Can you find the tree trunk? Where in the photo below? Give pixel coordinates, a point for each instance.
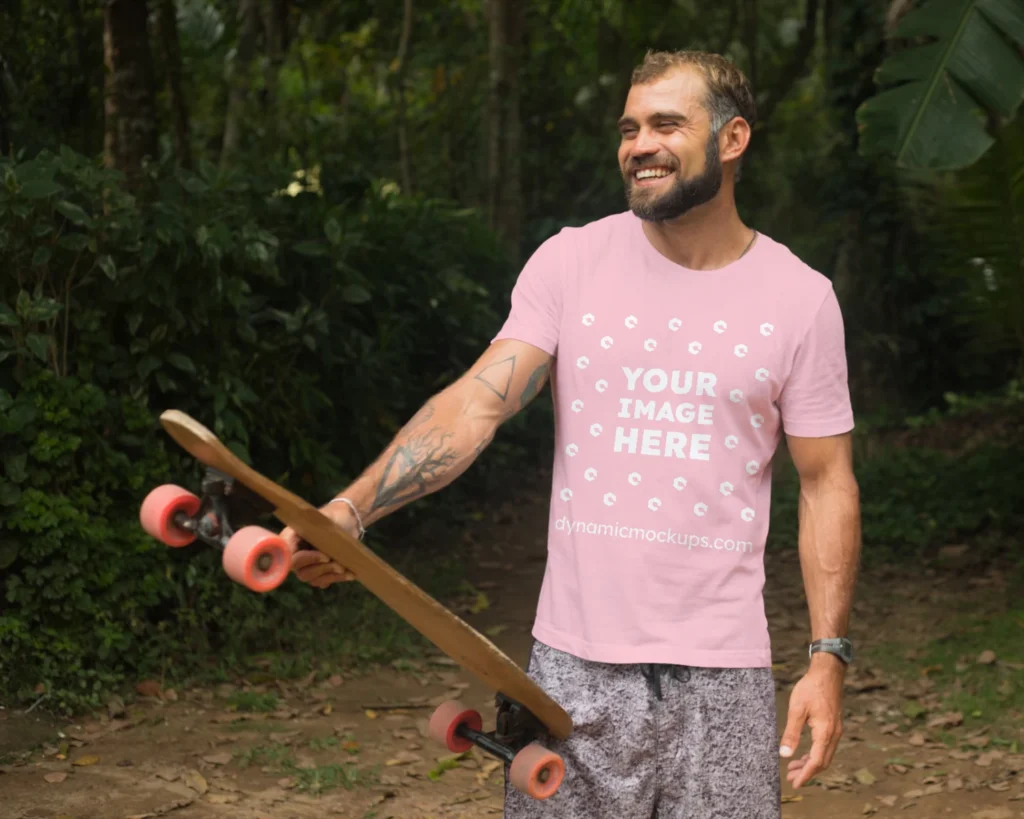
(248, 13)
(750, 27)
(172, 65)
(84, 114)
(129, 96)
(275, 37)
(5, 111)
(401, 62)
(796, 66)
(504, 180)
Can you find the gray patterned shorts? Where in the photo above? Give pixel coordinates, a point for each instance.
(658, 742)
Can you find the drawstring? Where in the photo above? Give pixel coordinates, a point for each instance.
(653, 671)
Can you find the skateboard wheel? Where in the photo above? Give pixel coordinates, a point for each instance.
(257, 558)
(159, 510)
(536, 771)
(445, 721)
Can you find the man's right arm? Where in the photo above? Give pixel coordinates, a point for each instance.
(437, 445)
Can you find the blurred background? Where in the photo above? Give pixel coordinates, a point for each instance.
(296, 219)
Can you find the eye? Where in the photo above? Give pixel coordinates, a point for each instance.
(667, 125)
(627, 132)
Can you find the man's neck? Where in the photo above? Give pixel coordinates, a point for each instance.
(709, 237)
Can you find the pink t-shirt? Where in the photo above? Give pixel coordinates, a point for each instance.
(672, 389)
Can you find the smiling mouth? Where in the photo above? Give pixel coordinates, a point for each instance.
(651, 175)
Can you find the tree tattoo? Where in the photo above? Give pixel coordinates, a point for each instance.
(413, 466)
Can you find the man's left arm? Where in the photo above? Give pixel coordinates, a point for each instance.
(830, 539)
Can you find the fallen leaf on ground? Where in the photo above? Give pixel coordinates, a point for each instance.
(888, 801)
(84, 761)
(335, 680)
(955, 783)
(163, 810)
(149, 688)
(917, 739)
(986, 657)
(370, 713)
(793, 798)
(993, 813)
(404, 758)
(222, 798)
(888, 728)
(197, 782)
(487, 770)
(869, 809)
(916, 793)
(218, 759)
(950, 720)
(56, 777)
(865, 777)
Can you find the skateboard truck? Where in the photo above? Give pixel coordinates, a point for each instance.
(251, 555)
(531, 768)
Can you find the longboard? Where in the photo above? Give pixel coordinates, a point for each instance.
(260, 560)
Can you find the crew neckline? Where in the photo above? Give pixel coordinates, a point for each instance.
(656, 258)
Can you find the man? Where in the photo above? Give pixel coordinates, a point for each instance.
(680, 345)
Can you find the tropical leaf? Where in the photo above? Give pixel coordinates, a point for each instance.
(937, 93)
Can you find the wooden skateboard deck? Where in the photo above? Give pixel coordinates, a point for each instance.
(452, 635)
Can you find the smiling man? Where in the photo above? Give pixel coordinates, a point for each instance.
(681, 346)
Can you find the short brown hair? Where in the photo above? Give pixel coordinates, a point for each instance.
(729, 92)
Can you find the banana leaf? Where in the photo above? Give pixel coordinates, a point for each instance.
(964, 63)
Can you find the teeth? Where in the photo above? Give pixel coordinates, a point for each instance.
(653, 173)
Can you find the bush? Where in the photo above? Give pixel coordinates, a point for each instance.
(915, 499)
(304, 330)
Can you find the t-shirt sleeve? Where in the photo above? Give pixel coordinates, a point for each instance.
(536, 312)
(815, 400)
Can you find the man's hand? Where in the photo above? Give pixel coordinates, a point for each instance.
(314, 567)
(816, 701)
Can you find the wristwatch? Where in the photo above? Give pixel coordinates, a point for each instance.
(839, 646)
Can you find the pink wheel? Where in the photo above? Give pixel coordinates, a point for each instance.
(257, 559)
(446, 720)
(159, 510)
(537, 772)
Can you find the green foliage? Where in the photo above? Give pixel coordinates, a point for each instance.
(315, 779)
(114, 309)
(251, 701)
(928, 116)
(981, 212)
(985, 694)
(914, 500)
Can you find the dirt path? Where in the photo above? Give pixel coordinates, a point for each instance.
(334, 748)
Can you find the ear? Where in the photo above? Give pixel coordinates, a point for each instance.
(733, 139)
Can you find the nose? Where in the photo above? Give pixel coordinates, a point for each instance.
(644, 144)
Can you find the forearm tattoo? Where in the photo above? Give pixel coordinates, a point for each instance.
(416, 462)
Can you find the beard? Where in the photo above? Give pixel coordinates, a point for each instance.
(683, 196)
